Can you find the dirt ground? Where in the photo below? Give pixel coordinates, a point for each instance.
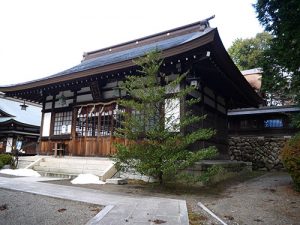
(254, 198)
(20, 208)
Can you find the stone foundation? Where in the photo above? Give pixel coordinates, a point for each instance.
(197, 169)
(263, 152)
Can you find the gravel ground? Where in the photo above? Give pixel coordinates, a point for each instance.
(20, 208)
(265, 200)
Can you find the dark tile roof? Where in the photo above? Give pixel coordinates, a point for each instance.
(133, 52)
(128, 54)
(263, 110)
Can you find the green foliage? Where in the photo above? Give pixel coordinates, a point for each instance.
(291, 159)
(256, 52)
(6, 159)
(1, 164)
(206, 177)
(212, 171)
(276, 81)
(282, 20)
(296, 120)
(248, 53)
(156, 147)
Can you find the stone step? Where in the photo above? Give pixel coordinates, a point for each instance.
(59, 175)
(104, 168)
(22, 165)
(82, 166)
(79, 159)
(25, 161)
(69, 170)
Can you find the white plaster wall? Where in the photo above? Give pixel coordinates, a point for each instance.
(46, 124)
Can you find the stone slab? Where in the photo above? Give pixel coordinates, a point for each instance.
(126, 208)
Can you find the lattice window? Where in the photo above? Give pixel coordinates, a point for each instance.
(106, 123)
(81, 124)
(92, 124)
(62, 123)
(98, 121)
(118, 117)
(248, 124)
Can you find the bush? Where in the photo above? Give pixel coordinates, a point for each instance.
(290, 156)
(5, 159)
(1, 164)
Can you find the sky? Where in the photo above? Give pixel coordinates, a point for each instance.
(41, 38)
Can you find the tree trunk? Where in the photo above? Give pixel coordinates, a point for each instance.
(160, 177)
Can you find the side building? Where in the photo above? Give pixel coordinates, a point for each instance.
(79, 105)
(19, 126)
(257, 135)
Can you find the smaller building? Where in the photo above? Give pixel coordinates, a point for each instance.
(257, 135)
(263, 121)
(19, 128)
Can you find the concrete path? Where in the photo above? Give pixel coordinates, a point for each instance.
(119, 210)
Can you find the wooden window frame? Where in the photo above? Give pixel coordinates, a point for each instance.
(60, 119)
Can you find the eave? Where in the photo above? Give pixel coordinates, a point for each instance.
(16, 122)
(205, 39)
(19, 133)
(209, 38)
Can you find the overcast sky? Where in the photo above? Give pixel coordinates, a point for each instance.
(41, 38)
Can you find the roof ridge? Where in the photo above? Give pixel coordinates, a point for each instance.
(203, 24)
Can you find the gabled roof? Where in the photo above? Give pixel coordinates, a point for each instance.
(171, 43)
(119, 54)
(32, 115)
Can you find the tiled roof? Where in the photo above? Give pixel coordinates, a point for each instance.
(133, 52)
(128, 54)
(263, 110)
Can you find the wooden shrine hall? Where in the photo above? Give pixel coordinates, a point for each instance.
(79, 105)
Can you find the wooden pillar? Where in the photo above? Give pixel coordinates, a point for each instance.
(51, 146)
(39, 144)
(111, 129)
(72, 148)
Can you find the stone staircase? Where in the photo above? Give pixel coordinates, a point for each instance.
(70, 167)
(25, 161)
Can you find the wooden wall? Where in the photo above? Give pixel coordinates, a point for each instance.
(83, 146)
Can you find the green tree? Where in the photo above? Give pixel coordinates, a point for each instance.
(282, 20)
(248, 53)
(254, 52)
(153, 126)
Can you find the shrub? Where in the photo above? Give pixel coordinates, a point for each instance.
(1, 164)
(5, 159)
(290, 156)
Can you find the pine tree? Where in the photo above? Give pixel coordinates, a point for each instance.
(154, 123)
